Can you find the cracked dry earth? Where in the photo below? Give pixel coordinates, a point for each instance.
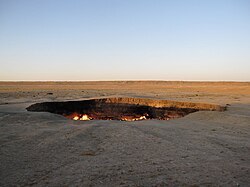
(206, 148)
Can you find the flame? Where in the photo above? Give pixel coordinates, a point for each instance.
(134, 119)
(85, 117)
(76, 118)
(81, 117)
(142, 117)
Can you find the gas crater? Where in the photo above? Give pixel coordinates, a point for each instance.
(122, 108)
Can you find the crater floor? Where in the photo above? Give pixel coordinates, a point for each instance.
(205, 148)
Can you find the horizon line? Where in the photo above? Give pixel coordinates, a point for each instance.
(122, 80)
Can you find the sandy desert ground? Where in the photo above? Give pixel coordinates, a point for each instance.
(206, 148)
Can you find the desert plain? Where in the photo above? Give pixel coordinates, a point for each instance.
(204, 148)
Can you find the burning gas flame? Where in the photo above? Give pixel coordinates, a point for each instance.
(134, 119)
(81, 117)
(127, 118)
(142, 117)
(85, 117)
(76, 118)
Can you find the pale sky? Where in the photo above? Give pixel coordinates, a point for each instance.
(125, 40)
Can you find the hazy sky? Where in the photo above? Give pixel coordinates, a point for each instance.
(125, 39)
